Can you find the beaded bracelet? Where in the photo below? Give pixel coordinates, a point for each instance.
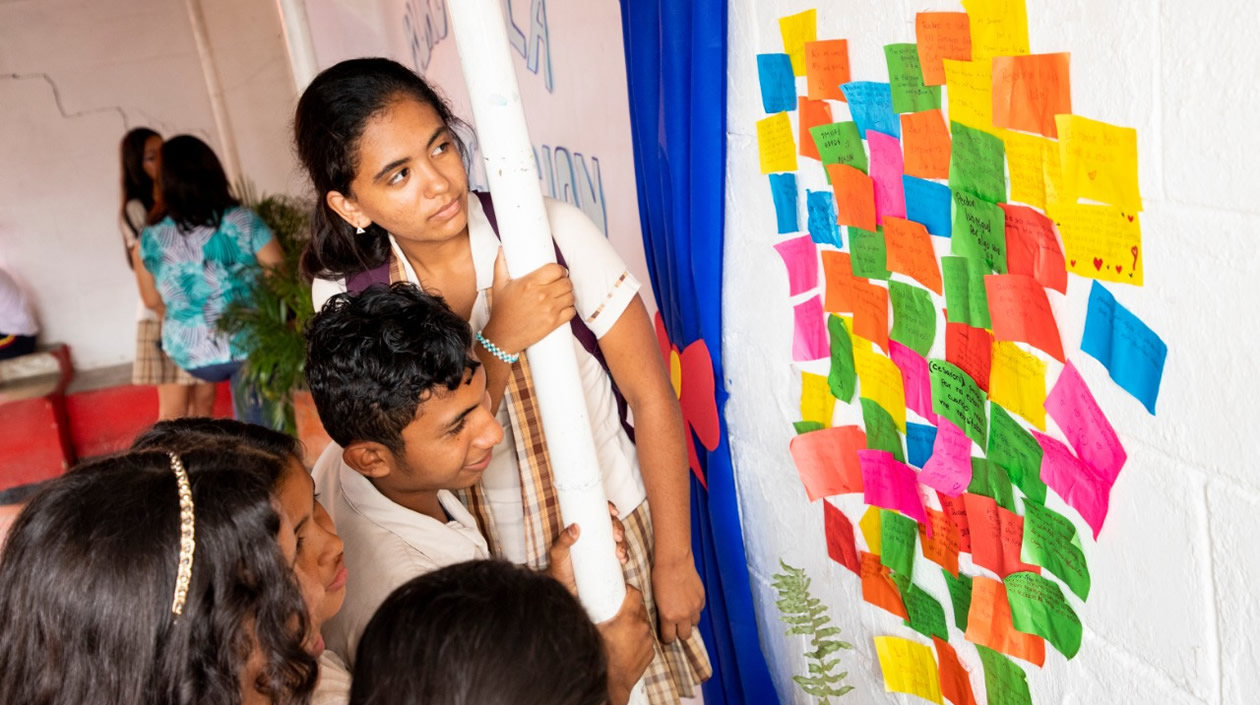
(497, 351)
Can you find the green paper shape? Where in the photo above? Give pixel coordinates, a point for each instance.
(1004, 681)
(902, 581)
(898, 535)
(840, 143)
(1051, 541)
(927, 617)
(914, 317)
(957, 397)
(1016, 451)
(881, 430)
(868, 254)
(990, 480)
(960, 595)
(1038, 607)
(905, 76)
(842, 379)
(979, 231)
(807, 426)
(966, 301)
(977, 163)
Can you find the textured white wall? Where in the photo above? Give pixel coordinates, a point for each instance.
(1172, 614)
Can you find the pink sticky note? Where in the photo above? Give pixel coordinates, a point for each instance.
(800, 256)
(810, 341)
(1083, 423)
(949, 468)
(890, 484)
(886, 172)
(914, 379)
(1074, 481)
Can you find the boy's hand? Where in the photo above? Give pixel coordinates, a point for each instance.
(560, 561)
(679, 596)
(628, 644)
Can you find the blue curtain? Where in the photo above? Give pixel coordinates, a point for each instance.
(676, 73)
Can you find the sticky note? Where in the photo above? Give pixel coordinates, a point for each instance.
(821, 207)
(979, 232)
(908, 668)
(827, 460)
(948, 471)
(1133, 354)
(1082, 488)
(1032, 248)
(941, 35)
(956, 397)
(955, 682)
(997, 535)
(919, 440)
(977, 163)
(897, 537)
(1004, 682)
(989, 480)
(960, 595)
(868, 254)
(878, 588)
(796, 30)
(1029, 91)
(927, 144)
(1026, 160)
(881, 429)
(871, 530)
(905, 75)
(989, 623)
(855, 196)
(914, 380)
(969, 89)
(891, 484)
(1038, 607)
(956, 510)
(838, 273)
(870, 313)
(810, 114)
(1017, 381)
(942, 545)
(927, 617)
(1014, 449)
(972, 350)
(775, 144)
(1021, 312)
(965, 298)
(817, 403)
(841, 546)
(909, 251)
(826, 67)
(842, 377)
(870, 104)
(1074, 410)
(840, 143)
(778, 86)
(914, 317)
(880, 381)
(800, 256)
(886, 169)
(806, 426)
(1099, 162)
(928, 203)
(1050, 541)
(809, 340)
(783, 190)
(1101, 242)
(998, 27)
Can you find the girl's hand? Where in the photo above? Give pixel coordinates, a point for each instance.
(679, 596)
(525, 310)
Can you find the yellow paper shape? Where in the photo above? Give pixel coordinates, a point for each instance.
(1053, 170)
(776, 144)
(998, 28)
(1026, 155)
(908, 667)
(879, 380)
(796, 30)
(1017, 381)
(969, 93)
(870, 526)
(1099, 162)
(817, 404)
(1100, 242)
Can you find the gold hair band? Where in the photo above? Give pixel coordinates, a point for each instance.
(187, 544)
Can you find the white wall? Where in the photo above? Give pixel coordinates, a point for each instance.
(1172, 616)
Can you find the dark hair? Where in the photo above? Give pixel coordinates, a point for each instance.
(194, 188)
(180, 435)
(136, 184)
(373, 358)
(89, 576)
(331, 116)
(480, 633)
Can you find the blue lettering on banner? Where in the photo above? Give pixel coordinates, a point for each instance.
(537, 48)
(426, 24)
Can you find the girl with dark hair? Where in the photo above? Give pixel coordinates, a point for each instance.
(179, 393)
(393, 205)
(196, 260)
(154, 578)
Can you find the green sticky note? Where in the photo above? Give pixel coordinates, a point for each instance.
(807, 426)
(927, 617)
(897, 537)
(1051, 541)
(840, 143)
(905, 75)
(1016, 451)
(991, 480)
(914, 317)
(1004, 681)
(842, 379)
(881, 430)
(902, 581)
(966, 301)
(979, 231)
(1038, 607)
(977, 163)
(868, 254)
(957, 397)
(960, 595)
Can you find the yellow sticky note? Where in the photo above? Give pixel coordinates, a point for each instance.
(817, 404)
(796, 30)
(776, 144)
(1026, 156)
(1017, 381)
(908, 667)
(969, 93)
(879, 380)
(869, 524)
(1100, 242)
(1099, 162)
(998, 28)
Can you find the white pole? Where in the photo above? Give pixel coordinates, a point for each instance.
(214, 87)
(297, 39)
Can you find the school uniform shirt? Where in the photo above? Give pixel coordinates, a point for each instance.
(333, 686)
(131, 225)
(16, 317)
(602, 288)
(386, 544)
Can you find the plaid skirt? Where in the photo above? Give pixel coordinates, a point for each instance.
(152, 366)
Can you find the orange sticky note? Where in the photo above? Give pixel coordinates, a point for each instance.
(942, 546)
(941, 35)
(827, 460)
(989, 623)
(1021, 312)
(1032, 247)
(910, 252)
(1028, 91)
(811, 113)
(971, 349)
(956, 509)
(926, 143)
(838, 275)
(855, 196)
(996, 536)
(826, 67)
(870, 313)
(955, 684)
(879, 589)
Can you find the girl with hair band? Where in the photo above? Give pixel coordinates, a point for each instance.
(179, 393)
(392, 204)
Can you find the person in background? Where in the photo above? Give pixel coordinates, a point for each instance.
(179, 393)
(197, 259)
(17, 321)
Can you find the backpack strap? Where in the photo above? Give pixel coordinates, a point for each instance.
(357, 282)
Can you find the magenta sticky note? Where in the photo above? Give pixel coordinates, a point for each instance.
(800, 256)
(949, 468)
(891, 484)
(810, 339)
(1074, 481)
(886, 171)
(914, 379)
(1084, 425)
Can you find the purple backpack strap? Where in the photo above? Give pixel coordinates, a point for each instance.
(357, 282)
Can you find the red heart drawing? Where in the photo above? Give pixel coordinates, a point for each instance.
(1073, 263)
(1118, 269)
(1130, 219)
(1093, 175)
(1097, 263)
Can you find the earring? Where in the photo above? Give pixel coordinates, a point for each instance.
(359, 230)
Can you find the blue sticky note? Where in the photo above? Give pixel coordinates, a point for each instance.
(822, 218)
(778, 85)
(920, 438)
(928, 203)
(783, 188)
(870, 104)
(1132, 353)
